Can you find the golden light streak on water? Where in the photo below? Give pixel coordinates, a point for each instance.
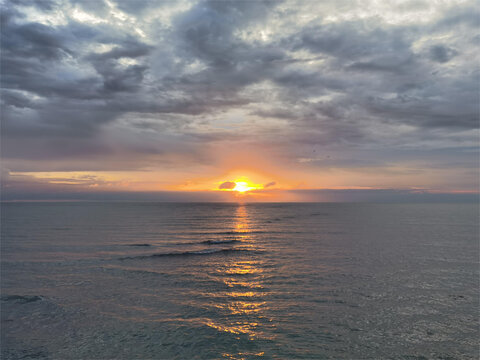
(243, 312)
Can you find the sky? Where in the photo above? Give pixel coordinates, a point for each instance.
(183, 100)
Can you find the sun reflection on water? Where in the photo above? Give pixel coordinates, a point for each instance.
(242, 355)
(242, 268)
(242, 221)
(243, 308)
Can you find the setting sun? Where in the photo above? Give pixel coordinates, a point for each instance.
(241, 185)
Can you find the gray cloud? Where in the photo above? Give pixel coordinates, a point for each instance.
(46, 5)
(442, 54)
(227, 185)
(161, 79)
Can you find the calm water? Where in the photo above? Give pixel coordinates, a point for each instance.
(239, 281)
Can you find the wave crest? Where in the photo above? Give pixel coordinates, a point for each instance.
(191, 253)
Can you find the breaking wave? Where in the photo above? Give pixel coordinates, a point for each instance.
(215, 242)
(21, 298)
(191, 253)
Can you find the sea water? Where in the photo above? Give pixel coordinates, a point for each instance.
(239, 281)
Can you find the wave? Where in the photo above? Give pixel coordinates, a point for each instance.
(231, 232)
(190, 253)
(21, 298)
(138, 245)
(214, 242)
(209, 242)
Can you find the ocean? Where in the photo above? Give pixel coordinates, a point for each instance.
(88, 280)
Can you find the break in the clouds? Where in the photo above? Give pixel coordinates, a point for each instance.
(385, 91)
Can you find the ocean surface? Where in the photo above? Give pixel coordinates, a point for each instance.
(239, 281)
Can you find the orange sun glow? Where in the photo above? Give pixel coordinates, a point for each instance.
(241, 185)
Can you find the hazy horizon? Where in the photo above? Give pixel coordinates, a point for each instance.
(293, 196)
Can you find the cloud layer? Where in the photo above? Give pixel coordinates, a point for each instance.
(142, 85)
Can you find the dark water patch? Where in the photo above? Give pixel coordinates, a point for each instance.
(23, 299)
(329, 301)
(25, 353)
(144, 245)
(192, 253)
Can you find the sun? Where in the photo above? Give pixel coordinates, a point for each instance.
(240, 185)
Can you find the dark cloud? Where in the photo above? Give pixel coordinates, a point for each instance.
(270, 184)
(442, 54)
(227, 185)
(456, 16)
(136, 6)
(355, 40)
(32, 40)
(45, 5)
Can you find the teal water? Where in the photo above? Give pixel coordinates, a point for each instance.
(239, 281)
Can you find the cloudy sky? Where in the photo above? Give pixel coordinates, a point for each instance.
(303, 98)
